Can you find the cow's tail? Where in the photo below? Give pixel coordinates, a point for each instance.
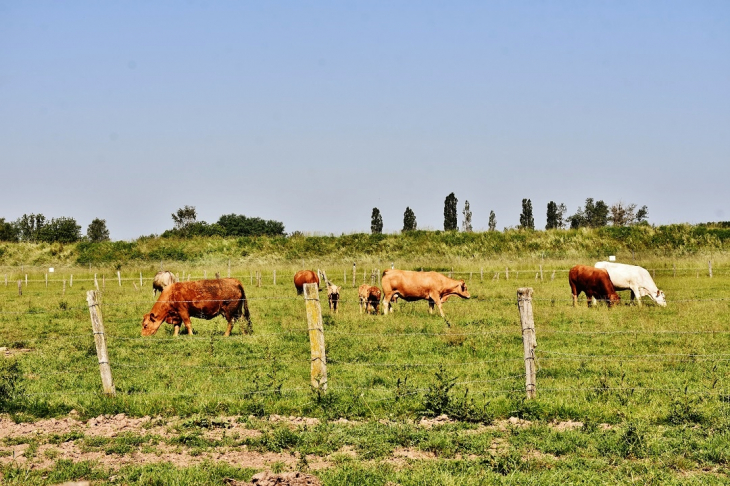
(246, 315)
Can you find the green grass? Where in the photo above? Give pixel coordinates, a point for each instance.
(657, 377)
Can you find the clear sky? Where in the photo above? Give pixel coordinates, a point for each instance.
(313, 113)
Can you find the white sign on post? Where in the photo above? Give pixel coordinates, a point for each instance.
(50, 270)
(612, 258)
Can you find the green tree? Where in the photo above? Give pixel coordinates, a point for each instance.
(450, 221)
(492, 221)
(555, 215)
(376, 222)
(62, 230)
(642, 214)
(97, 231)
(527, 221)
(595, 215)
(466, 223)
(29, 226)
(184, 217)
(409, 220)
(240, 225)
(8, 231)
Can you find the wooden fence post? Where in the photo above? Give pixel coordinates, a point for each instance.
(119, 277)
(140, 280)
(709, 265)
(64, 287)
(529, 342)
(316, 337)
(552, 277)
(96, 282)
(274, 277)
(26, 279)
(541, 279)
(20, 288)
(47, 276)
(674, 270)
(354, 276)
(506, 273)
(71, 281)
(97, 325)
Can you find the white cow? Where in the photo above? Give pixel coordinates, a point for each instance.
(633, 278)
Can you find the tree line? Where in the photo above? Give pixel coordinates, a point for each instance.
(36, 228)
(594, 215)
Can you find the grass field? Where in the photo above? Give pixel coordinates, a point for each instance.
(630, 394)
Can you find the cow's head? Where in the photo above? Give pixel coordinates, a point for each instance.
(463, 292)
(613, 299)
(660, 299)
(151, 323)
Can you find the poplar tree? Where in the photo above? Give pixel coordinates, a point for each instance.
(466, 223)
(492, 221)
(376, 222)
(526, 219)
(450, 221)
(409, 220)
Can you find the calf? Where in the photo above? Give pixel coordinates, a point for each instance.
(333, 296)
(369, 298)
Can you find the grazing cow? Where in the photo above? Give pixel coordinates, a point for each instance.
(410, 286)
(595, 282)
(333, 296)
(203, 299)
(162, 279)
(633, 278)
(369, 298)
(304, 277)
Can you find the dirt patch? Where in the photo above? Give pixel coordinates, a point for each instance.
(428, 423)
(55, 440)
(285, 479)
(10, 352)
(294, 422)
(568, 425)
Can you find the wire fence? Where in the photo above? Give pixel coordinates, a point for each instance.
(123, 359)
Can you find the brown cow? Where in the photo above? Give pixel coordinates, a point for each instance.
(369, 298)
(410, 286)
(304, 277)
(203, 299)
(595, 282)
(162, 279)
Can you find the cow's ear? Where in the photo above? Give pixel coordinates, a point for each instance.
(152, 317)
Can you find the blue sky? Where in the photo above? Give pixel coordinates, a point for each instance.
(313, 113)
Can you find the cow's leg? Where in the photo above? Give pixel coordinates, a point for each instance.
(636, 292)
(185, 318)
(589, 298)
(176, 328)
(386, 302)
(231, 320)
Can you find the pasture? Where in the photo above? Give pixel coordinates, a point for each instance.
(647, 386)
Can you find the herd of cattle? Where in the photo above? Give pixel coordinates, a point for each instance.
(206, 299)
